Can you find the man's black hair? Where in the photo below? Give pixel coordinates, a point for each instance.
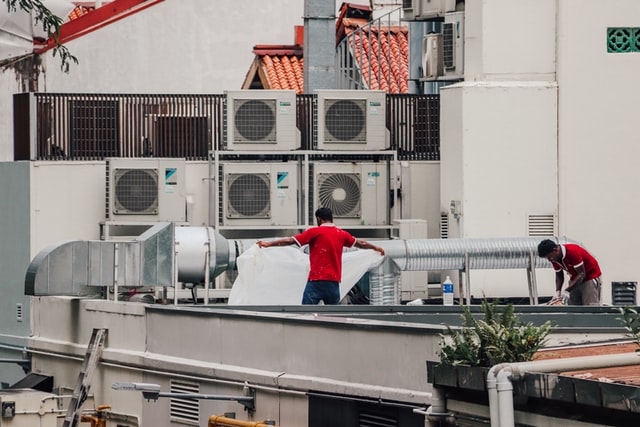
(546, 247)
(324, 214)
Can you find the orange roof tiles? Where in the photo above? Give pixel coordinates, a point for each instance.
(382, 54)
(80, 10)
(284, 72)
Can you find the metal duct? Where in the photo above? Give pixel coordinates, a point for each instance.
(450, 254)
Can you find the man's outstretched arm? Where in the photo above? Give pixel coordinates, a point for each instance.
(286, 241)
(363, 244)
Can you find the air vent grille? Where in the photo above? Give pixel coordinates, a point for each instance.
(375, 420)
(255, 120)
(185, 410)
(449, 45)
(136, 191)
(340, 192)
(345, 120)
(541, 225)
(248, 195)
(444, 226)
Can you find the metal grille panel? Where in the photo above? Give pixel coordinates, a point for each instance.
(340, 192)
(449, 45)
(255, 120)
(185, 410)
(136, 191)
(248, 195)
(345, 120)
(541, 225)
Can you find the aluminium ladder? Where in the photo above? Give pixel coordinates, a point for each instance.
(91, 358)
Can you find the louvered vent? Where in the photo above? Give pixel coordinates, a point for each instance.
(19, 312)
(186, 411)
(136, 191)
(248, 195)
(376, 420)
(345, 120)
(541, 225)
(444, 226)
(340, 192)
(255, 120)
(449, 45)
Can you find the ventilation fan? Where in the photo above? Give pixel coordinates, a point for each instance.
(255, 120)
(248, 196)
(345, 120)
(340, 192)
(136, 191)
(261, 120)
(351, 120)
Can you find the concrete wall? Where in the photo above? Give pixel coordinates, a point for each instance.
(598, 135)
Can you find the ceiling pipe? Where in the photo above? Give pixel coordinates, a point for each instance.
(500, 379)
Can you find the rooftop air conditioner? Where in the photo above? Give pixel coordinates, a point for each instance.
(427, 9)
(432, 56)
(351, 120)
(453, 45)
(356, 193)
(145, 189)
(260, 194)
(261, 120)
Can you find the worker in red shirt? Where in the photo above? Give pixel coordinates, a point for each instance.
(326, 242)
(584, 272)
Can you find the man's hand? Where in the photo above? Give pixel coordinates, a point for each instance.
(379, 249)
(262, 244)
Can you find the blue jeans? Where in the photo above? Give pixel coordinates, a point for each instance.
(324, 290)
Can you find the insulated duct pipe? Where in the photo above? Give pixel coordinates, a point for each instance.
(500, 377)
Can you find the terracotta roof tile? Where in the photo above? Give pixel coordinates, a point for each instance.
(80, 10)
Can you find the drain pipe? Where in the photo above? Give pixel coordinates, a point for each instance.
(500, 377)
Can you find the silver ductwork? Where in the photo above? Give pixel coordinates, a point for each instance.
(165, 255)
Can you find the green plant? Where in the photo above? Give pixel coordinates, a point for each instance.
(497, 338)
(50, 24)
(631, 322)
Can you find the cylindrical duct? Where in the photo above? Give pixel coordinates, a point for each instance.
(384, 286)
(192, 246)
(449, 254)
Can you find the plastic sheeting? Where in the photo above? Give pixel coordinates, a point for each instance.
(278, 275)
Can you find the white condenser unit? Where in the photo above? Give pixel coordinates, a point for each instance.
(356, 193)
(432, 56)
(453, 45)
(259, 120)
(259, 194)
(351, 120)
(427, 9)
(145, 189)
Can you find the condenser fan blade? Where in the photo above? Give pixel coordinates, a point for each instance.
(341, 193)
(249, 196)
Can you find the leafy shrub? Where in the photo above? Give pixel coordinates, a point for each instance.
(631, 322)
(497, 338)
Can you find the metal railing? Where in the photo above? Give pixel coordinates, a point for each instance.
(57, 126)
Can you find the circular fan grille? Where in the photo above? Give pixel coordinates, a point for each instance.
(248, 196)
(345, 121)
(136, 191)
(255, 120)
(340, 192)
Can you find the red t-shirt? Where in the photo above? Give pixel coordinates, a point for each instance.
(574, 256)
(325, 250)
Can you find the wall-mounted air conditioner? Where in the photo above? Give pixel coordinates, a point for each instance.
(145, 189)
(427, 9)
(432, 66)
(351, 120)
(260, 194)
(356, 193)
(453, 45)
(261, 120)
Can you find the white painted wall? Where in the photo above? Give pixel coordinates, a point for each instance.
(598, 135)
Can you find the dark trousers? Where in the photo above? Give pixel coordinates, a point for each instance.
(321, 290)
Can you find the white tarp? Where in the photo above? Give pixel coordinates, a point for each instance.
(277, 276)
